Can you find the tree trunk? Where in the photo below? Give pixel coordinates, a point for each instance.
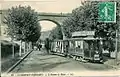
(27, 44)
(13, 55)
(30, 46)
(13, 51)
(24, 47)
(20, 50)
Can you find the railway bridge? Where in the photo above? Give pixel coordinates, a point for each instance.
(56, 18)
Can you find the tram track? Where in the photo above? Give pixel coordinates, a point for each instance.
(18, 62)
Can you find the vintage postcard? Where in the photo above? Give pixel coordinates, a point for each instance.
(60, 38)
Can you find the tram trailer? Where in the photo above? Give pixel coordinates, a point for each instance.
(81, 48)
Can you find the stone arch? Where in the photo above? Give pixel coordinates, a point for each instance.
(55, 22)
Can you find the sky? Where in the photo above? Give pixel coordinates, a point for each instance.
(47, 25)
(52, 6)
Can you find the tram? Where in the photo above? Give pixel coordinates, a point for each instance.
(82, 48)
(89, 49)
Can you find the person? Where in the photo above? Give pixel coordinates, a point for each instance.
(66, 48)
(39, 46)
(47, 47)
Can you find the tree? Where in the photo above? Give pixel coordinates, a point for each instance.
(85, 18)
(68, 27)
(82, 18)
(56, 33)
(22, 22)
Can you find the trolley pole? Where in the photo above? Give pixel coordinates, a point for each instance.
(116, 46)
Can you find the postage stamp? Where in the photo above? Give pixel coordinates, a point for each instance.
(107, 11)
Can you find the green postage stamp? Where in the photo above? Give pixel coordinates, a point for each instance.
(107, 12)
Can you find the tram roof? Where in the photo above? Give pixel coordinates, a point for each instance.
(70, 39)
(83, 33)
(85, 38)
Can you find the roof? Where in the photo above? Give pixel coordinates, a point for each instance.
(80, 39)
(87, 38)
(83, 33)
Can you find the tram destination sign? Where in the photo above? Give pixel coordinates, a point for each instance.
(107, 12)
(83, 33)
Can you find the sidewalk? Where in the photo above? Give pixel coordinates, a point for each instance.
(8, 62)
(112, 62)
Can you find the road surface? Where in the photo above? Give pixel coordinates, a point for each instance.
(39, 61)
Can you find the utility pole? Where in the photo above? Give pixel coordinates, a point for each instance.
(116, 46)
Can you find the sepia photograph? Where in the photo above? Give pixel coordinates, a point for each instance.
(60, 38)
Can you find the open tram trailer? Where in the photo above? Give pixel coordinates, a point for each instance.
(83, 48)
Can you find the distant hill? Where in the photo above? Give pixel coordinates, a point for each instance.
(45, 34)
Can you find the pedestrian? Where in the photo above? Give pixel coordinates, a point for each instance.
(47, 47)
(39, 47)
(66, 48)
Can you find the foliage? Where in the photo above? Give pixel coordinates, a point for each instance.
(85, 17)
(23, 23)
(56, 33)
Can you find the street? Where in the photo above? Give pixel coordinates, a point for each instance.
(39, 61)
